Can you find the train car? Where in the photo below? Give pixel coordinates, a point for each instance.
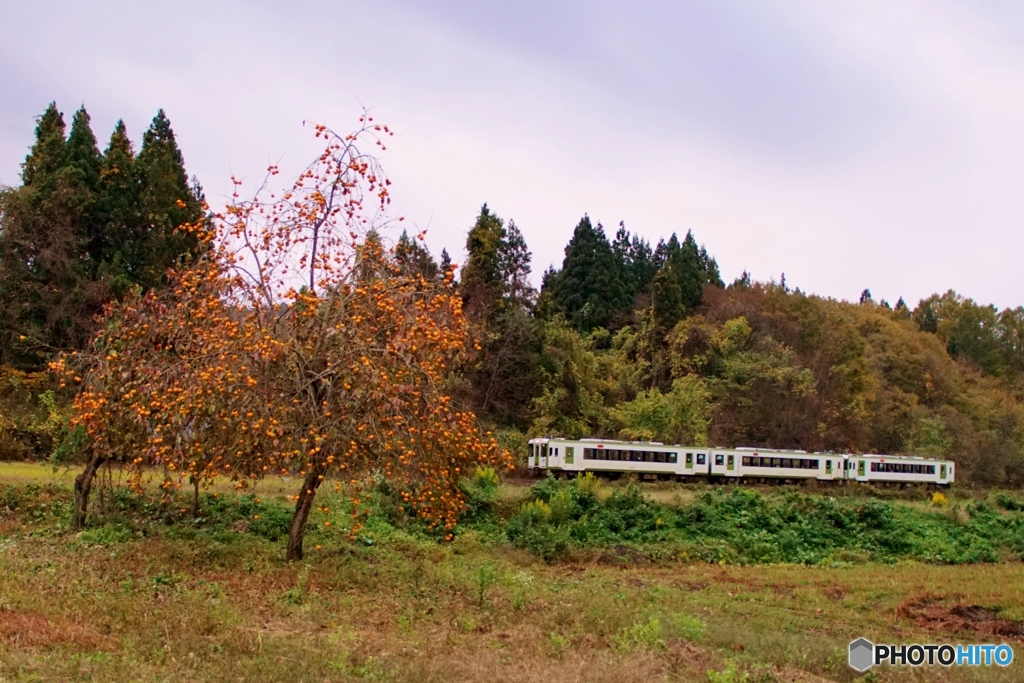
(610, 455)
(652, 459)
(875, 468)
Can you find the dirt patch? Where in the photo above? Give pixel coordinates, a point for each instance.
(834, 593)
(783, 589)
(25, 629)
(934, 613)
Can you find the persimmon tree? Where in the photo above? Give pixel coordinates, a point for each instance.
(297, 343)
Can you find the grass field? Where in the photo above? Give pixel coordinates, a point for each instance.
(137, 599)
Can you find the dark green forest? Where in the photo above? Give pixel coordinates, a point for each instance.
(625, 339)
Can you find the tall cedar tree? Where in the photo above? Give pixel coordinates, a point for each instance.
(166, 201)
(44, 302)
(416, 259)
(592, 287)
(498, 297)
(115, 243)
(678, 287)
(83, 226)
(481, 283)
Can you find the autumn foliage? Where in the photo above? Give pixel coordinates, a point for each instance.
(296, 344)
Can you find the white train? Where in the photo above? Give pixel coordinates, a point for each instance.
(742, 464)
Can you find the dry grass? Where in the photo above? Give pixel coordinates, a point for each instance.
(226, 607)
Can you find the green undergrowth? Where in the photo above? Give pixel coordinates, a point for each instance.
(562, 519)
(741, 526)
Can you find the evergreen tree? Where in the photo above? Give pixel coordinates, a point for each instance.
(44, 298)
(591, 289)
(166, 201)
(641, 261)
(514, 268)
(48, 152)
(636, 263)
(85, 225)
(121, 241)
(446, 263)
(481, 282)
(80, 177)
(497, 293)
(692, 271)
(415, 257)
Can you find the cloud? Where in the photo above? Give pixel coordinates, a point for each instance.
(868, 145)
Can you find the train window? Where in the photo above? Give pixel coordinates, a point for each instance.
(786, 462)
(746, 461)
(673, 458)
(719, 459)
(931, 469)
(700, 459)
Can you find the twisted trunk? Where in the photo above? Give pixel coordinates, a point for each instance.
(303, 506)
(195, 497)
(83, 485)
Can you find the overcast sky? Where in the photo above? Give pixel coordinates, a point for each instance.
(850, 145)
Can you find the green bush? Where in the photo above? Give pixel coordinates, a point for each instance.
(742, 526)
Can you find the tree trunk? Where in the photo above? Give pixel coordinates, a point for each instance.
(83, 484)
(195, 497)
(302, 509)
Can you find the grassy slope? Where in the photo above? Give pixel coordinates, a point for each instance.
(172, 603)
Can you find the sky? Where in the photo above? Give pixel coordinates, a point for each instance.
(849, 145)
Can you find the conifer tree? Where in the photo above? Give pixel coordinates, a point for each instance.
(166, 200)
(445, 264)
(43, 268)
(514, 266)
(678, 288)
(80, 178)
(481, 282)
(85, 225)
(415, 257)
(48, 152)
(591, 289)
(120, 241)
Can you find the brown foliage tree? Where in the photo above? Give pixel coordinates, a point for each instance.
(234, 371)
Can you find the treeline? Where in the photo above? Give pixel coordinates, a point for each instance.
(637, 341)
(84, 227)
(625, 339)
